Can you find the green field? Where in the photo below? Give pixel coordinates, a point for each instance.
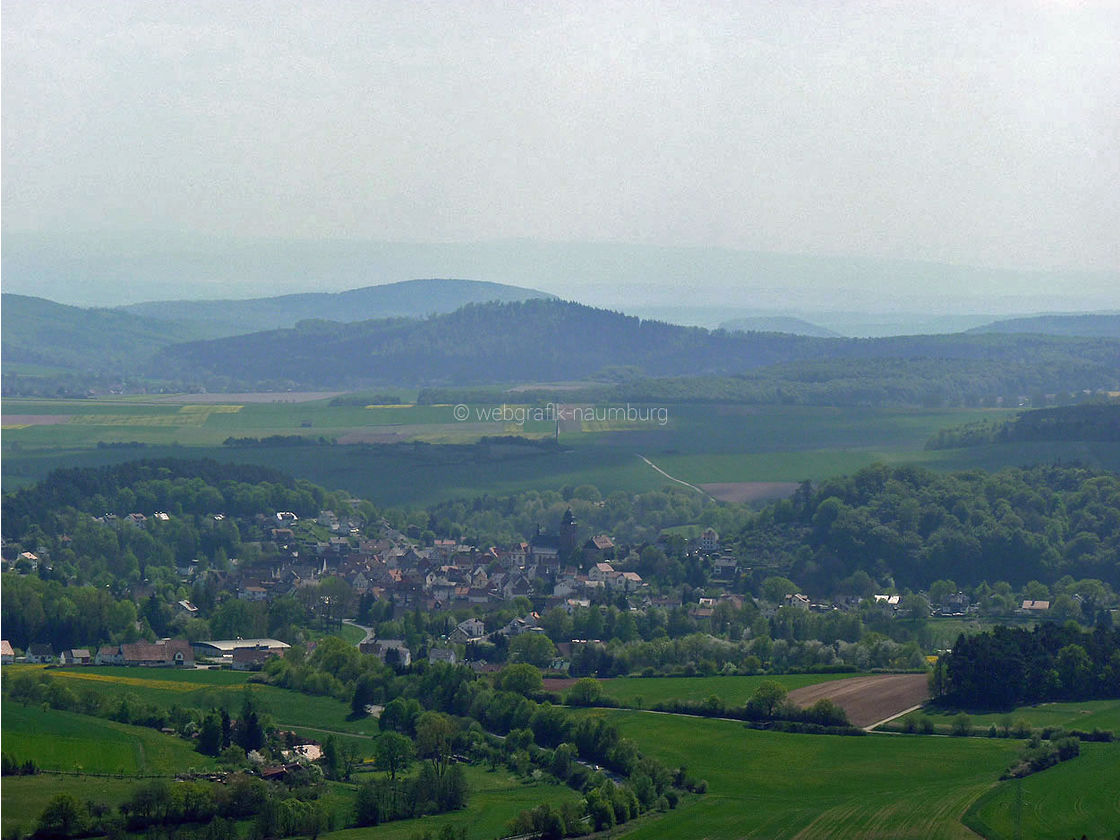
(304, 713)
(495, 799)
(734, 690)
(699, 444)
(25, 797)
(1077, 797)
(1084, 715)
(59, 740)
(774, 785)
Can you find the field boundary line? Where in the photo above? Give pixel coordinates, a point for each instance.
(892, 717)
(678, 480)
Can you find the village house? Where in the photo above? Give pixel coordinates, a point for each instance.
(598, 549)
(390, 651)
(252, 658)
(75, 656)
(7, 655)
(724, 568)
(40, 654)
(165, 653)
(224, 649)
(709, 540)
(467, 631)
(797, 599)
(442, 655)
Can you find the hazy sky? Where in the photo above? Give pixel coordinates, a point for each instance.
(981, 132)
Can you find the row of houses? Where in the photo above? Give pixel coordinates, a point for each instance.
(241, 654)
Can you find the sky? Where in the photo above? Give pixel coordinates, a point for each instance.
(974, 133)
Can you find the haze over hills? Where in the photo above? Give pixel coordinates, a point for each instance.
(407, 299)
(866, 296)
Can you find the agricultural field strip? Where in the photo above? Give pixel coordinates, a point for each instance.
(1084, 715)
(820, 793)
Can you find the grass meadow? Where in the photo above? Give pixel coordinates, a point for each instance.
(58, 740)
(496, 797)
(1078, 797)
(303, 713)
(644, 692)
(1085, 715)
(25, 797)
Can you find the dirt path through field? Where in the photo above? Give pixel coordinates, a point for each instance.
(868, 700)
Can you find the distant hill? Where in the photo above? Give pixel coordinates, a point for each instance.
(550, 340)
(40, 332)
(1097, 325)
(778, 324)
(407, 299)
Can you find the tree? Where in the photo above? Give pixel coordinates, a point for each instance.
(250, 730)
(210, 735)
(434, 734)
(367, 805)
(394, 753)
(775, 589)
(585, 692)
(522, 678)
(400, 716)
(767, 699)
(63, 817)
(534, 648)
(365, 690)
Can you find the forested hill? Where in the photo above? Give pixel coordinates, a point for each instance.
(549, 340)
(41, 332)
(407, 299)
(914, 527)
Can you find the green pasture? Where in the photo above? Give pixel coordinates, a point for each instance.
(496, 797)
(219, 689)
(1084, 715)
(25, 797)
(60, 740)
(699, 444)
(776, 785)
(1080, 797)
(735, 690)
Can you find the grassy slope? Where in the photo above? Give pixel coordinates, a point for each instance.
(207, 689)
(1078, 797)
(773, 785)
(66, 741)
(25, 797)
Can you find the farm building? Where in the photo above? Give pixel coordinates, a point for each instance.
(224, 648)
(7, 655)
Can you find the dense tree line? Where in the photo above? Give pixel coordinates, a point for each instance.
(912, 527)
(1008, 667)
(1090, 422)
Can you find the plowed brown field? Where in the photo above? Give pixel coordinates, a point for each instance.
(868, 700)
